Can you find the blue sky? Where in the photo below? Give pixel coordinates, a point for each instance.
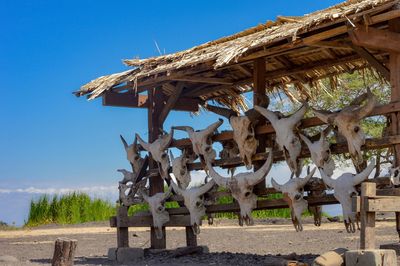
(50, 138)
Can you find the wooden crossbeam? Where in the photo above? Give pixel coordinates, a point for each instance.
(205, 80)
(373, 38)
(141, 101)
(171, 102)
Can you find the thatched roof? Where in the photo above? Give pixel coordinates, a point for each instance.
(298, 51)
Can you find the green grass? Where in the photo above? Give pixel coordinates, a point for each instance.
(68, 209)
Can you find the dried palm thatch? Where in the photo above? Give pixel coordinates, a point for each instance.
(298, 51)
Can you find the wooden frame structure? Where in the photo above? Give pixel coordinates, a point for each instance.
(293, 50)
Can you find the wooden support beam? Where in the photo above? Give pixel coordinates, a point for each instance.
(170, 103)
(146, 220)
(195, 79)
(377, 39)
(371, 59)
(367, 234)
(122, 231)
(129, 99)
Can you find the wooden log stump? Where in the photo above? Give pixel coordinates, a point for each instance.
(64, 252)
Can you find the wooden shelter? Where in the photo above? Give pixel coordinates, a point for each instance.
(298, 51)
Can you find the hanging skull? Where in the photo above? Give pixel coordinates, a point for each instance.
(201, 140)
(133, 154)
(394, 173)
(344, 189)
(180, 169)
(241, 187)
(157, 209)
(348, 122)
(194, 202)
(293, 192)
(157, 149)
(320, 152)
(128, 187)
(286, 137)
(229, 150)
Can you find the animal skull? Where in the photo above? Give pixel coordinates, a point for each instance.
(320, 152)
(180, 170)
(128, 188)
(133, 154)
(157, 209)
(286, 138)
(348, 122)
(157, 151)
(241, 187)
(293, 191)
(344, 189)
(194, 202)
(229, 150)
(395, 175)
(243, 132)
(201, 140)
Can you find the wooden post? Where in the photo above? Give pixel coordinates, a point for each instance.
(64, 252)
(122, 232)
(191, 238)
(259, 89)
(394, 66)
(156, 182)
(367, 235)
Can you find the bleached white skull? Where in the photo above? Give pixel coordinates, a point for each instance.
(243, 132)
(241, 187)
(348, 122)
(293, 192)
(288, 141)
(229, 150)
(344, 189)
(157, 209)
(194, 202)
(157, 149)
(133, 154)
(201, 140)
(395, 175)
(128, 188)
(180, 169)
(320, 152)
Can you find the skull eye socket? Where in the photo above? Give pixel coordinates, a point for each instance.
(207, 149)
(164, 155)
(209, 141)
(198, 203)
(160, 208)
(249, 137)
(247, 194)
(297, 197)
(396, 173)
(135, 157)
(356, 129)
(353, 194)
(182, 172)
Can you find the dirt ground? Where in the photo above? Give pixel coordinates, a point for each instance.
(229, 244)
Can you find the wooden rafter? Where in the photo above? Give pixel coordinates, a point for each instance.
(171, 102)
(197, 79)
(372, 38)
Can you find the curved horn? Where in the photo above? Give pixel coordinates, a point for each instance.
(303, 181)
(258, 175)
(327, 179)
(325, 116)
(298, 115)
(184, 128)
(364, 174)
(276, 185)
(211, 128)
(368, 106)
(220, 180)
(306, 140)
(225, 112)
(271, 116)
(176, 188)
(142, 143)
(123, 141)
(205, 188)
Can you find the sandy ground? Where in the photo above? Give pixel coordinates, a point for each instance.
(229, 244)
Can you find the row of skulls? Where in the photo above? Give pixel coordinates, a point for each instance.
(288, 139)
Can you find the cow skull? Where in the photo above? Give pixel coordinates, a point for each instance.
(241, 187)
(288, 141)
(229, 150)
(344, 189)
(293, 192)
(395, 175)
(180, 170)
(320, 152)
(194, 202)
(157, 151)
(128, 188)
(201, 140)
(243, 132)
(133, 154)
(157, 209)
(348, 122)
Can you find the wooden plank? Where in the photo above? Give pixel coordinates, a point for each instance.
(373, 38)
(383, 70)
(205, 80)
(147, 220)
(131, 100)
(367, 234)
(171, 102)
(384, 204)
(122, 231)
